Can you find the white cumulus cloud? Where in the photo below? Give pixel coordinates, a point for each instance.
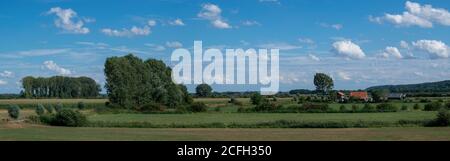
(69, 21)
(50, 65)
(416, 15)
(392, 51)
(2, 82)
(134, 31)
(212, 13)
(435, 49)
(344, 75)
(348, 49)
(7, 74)
(177, 22)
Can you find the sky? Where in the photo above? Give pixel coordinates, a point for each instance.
(358, 43)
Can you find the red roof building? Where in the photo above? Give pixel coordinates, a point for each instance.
(360, 95)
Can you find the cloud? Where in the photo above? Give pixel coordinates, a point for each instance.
(306, 40)
(270, 1)
(334, 26)
(151, 23)
(435, 49)
(416, 15)
(69, 21)
(134, 31)
(212, 13)
(42, 52)
(156, 47)
(7, 74)
(343, 75)
(50, 65)
(281, 46)
(313, 57)
(174, 44)
(251, 23)
(2, 82)
(392, 51)
(177, 22)
(348, 49)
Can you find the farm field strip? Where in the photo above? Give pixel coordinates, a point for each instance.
(192, 134)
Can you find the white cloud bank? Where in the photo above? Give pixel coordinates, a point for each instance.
(416, 15)
(69, 21)
(435, 49)
(50, 65)
(348, 49)
(213, 13)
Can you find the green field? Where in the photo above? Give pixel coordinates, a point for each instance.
(33, 132)
(198, 118)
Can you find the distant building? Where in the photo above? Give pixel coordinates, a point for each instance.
(396, 96)
(360, 95)
(341, 97)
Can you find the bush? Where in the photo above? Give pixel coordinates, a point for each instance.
(151, 107)
(342, 108)
(311, 107)
(386, 107)
(442, 118)
(369, 108)
(14, 111)
(40, 110)
(235, 101)
(355, 108)
(181, 109)
(81, 105)
(433, 106)
(416, 106)
(447, 105)
(197, 107)
(256, 99)
(266, 106)
(404, 108)
(49, 108)
(68, 117)
(59, 107)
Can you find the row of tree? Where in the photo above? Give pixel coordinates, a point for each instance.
(59, 87)
(132, 83)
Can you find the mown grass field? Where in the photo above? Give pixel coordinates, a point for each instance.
(33, 132)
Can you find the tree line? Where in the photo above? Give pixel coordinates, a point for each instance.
(133, 83)
(59, 87)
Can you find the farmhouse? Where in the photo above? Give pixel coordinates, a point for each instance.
(341, 97)
(396, 96)
(360, 95)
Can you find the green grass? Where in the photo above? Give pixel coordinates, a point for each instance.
(361, 134)
(247, 118)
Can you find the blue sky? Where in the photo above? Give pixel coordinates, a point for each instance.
(359, 43)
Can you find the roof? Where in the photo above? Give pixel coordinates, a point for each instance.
(361, 95)
(341, 93)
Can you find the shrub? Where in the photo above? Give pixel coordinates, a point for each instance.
(235, 101)
(198, 107)
(369, 108)
(433, 106)
(181, 109)
(59, 107)
(81, 105)
(49, 108)
(447, 105)
(68, 117)
(386, 107)
(442, 119)
(151, 107)
(416, 106)
(256, 99)
(311, 107)
(266, 106)
(14, 111)
(342, 108)
(425, 100)
(40, 110)
(355, 108)
(404, 108)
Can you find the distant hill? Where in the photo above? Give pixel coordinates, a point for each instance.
(431, 87)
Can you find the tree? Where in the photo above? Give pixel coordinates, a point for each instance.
(14, 111)
(256, 99)
(203, 90)
(379, 95)
(323, 82)
(132, 83)
(40, 110)
(60, 87)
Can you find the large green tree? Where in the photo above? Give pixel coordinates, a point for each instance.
(59, 87)
(132, 82)
(203, 90)
(323, 82)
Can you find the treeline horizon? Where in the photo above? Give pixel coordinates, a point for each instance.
(59, 87)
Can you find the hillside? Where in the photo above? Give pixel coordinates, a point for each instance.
(434, 87)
